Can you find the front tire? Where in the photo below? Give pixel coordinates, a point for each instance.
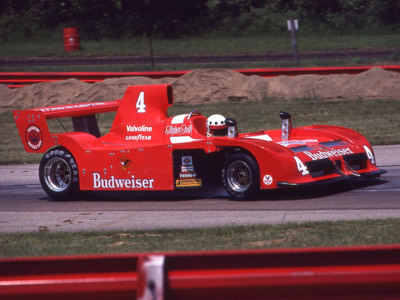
(58, 173)
(241, 176)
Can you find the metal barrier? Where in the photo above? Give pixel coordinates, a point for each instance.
(18, 79)
(320, 273)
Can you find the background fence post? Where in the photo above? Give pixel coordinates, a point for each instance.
(293, 26)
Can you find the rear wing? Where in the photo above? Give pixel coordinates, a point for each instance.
(34, 131)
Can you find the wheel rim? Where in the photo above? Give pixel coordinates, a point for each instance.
(57, 174)
(239, 176)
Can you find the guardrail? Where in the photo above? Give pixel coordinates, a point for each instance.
(18, 79)
(321, 273)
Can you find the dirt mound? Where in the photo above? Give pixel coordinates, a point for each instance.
(4, 99)
(375, 83)
(211, 85)
(46, 93)
(214, 85)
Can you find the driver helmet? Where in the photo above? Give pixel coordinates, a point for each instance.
(216, 126)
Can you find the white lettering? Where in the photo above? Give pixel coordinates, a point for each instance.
(183, 129)
(145, 183)
(139, 137)
(96, 180)
(370, 155)
(134, 128)
(104, 183)
(187, 175)
(111, 183)
(140, 103)
(138, 183)
(121, 183)
(83, 105)
(133, 182)
(329, 153)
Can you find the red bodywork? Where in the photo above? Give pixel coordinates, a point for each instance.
(147, 150)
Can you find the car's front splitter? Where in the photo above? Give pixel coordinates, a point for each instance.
(331, 180)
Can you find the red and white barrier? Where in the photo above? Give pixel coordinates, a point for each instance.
(320, 273)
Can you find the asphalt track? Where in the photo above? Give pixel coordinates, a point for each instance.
(24, 207)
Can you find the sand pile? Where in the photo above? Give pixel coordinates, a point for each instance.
(212, 85)
(375, 83)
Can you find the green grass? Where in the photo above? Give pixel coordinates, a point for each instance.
(376, 119)
(356, 61)
(317, 234)
(198, 45)
(204, 45)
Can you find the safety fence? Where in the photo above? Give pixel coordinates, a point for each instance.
(18, 79)
(318, 273)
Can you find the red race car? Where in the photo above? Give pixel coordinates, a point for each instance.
(146, 150)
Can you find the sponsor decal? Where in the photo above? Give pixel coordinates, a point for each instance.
(267, 180)
(134, 128)
(178, 129)
(121, 183)
(125, 163)
(187, 164)
(34, 137)
(187, 176)
(73, 106)
(139, 137)
(192, 182)
(329, 153)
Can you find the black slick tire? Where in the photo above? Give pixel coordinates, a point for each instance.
(58, 173)
(241, 176)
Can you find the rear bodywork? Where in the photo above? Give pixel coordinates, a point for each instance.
(146, 149)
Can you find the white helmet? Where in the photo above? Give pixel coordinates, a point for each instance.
(216, 126)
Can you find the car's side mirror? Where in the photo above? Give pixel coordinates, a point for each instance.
(232, 129)
(284, 115)
(230, 122)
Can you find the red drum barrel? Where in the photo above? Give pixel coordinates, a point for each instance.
(71, 39)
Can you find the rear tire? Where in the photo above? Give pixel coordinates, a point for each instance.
(241, 176)
(58, 173)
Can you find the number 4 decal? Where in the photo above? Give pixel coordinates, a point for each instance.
(301, 166)
(371, 156)
(141, 107)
